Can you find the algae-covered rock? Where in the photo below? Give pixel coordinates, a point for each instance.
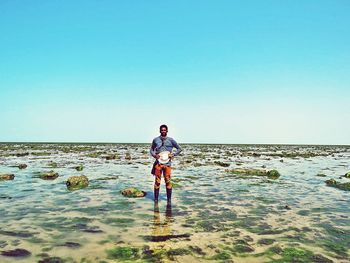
(347, 175)
(123, 253)
(79, 167)
(77, 182)
(133, 192)
(221, 164)
(51, 175)
(341, 186)
(52, 164)
(22, 166)
(4, 177)
(272, 174)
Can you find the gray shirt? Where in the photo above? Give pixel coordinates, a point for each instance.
(160, 144)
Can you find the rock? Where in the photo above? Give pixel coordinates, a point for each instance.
(51, 260)
(51, 175)
(79, 167)
(287, 207)
(77, 182)
(127, 156)
(22, 166)
(133, 192)
(221, 164)
(347, 175)
(341, 186)
(18, 252)
(321, 175)
(266, 241)
(6, 177)
(111, 157)
(52, 164)
(272, 174)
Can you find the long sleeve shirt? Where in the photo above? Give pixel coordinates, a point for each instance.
(159, 146)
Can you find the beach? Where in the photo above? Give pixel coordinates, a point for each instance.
(231, 203)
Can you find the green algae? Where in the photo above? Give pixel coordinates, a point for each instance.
(123, 253)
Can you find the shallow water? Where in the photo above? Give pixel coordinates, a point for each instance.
(214, 216)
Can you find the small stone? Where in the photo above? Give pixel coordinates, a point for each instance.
(79, 168)
(18, 252)
(51, 175)
(6, 177)
(347, 175)
(133, 192)
(77, 182)
(22, 166)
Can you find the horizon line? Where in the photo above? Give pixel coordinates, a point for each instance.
(202, 143)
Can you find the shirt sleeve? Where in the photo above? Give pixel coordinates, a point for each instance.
(152, 150)
(178, 148)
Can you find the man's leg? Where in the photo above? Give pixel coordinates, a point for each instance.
(157, 180)
(167, 177)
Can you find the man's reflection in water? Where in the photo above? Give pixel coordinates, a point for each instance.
(162, 230)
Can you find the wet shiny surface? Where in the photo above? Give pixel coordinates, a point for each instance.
(214, 216)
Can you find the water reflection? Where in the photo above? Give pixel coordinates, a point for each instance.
(162, 228)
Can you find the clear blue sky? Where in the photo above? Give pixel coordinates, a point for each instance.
(214, 71)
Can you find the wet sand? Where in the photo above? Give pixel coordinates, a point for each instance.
(215, 215)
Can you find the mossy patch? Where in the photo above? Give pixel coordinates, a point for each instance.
(123, 253)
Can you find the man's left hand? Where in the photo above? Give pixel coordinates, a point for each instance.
(171, 156)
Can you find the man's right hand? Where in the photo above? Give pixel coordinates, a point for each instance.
(157, 156)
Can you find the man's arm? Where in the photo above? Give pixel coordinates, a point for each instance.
(152, 151)
(178, 148)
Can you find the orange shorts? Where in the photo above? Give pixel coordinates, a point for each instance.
(159, 168)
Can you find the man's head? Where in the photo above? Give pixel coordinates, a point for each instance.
(163, 129)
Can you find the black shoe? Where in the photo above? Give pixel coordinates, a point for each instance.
(156, 195)
(168, 195)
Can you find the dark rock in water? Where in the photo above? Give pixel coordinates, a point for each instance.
(272, 174)
(221, 164)
(347, 175)
(22, 166)
(71, 244)
(321, 175)
(77, 182)
(111, 157)
(6, 177)
(320, 259)
(22, 154)
(165, 237)
(51, 175)
(79, 168)
(331, 182)
(16, 234)
(341, 186)
(133, 192)
(18, 252)
(51, 260)
(242, 248)
(287, 207)
(197, 250)
(266, 241)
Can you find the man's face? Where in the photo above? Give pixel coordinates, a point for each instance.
(163, 131)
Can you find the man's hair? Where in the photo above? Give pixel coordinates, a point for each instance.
(163, 126)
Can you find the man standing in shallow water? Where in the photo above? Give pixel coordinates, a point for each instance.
(161, 149)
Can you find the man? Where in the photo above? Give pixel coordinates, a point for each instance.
(160, 145)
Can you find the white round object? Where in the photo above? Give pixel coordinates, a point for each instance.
(164, 157)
